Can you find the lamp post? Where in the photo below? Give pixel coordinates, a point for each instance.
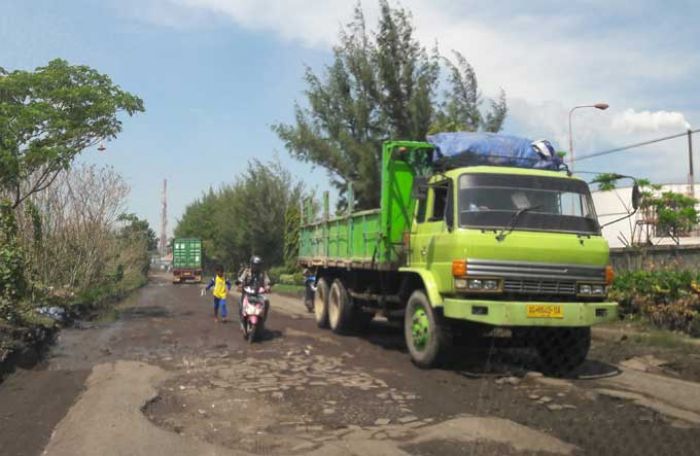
(601, 106)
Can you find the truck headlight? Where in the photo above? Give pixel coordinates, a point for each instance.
(476, 285)
(584, 289)
(598, 290)
(490, 285)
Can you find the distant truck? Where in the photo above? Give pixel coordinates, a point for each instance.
(465, 249)
(187, 260)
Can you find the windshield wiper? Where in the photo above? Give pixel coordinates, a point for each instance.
(513, 221)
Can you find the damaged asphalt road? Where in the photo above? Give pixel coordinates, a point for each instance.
(164, 379)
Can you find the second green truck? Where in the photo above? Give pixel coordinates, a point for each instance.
(466, 249)
(187, 260)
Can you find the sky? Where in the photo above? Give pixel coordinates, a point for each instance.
(216, 74)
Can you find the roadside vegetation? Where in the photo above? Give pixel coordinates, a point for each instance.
(65, 240)
(666, 297)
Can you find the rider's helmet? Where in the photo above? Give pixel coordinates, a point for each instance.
(255, 264)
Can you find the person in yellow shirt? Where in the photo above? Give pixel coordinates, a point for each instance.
(221, 288)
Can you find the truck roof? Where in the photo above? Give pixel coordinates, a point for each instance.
(508, 170)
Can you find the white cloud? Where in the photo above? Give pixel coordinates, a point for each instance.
(538, 52)
(631, 121)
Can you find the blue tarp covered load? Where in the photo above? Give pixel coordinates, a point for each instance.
(472, 149)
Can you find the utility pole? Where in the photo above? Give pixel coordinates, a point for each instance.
(691, 176)
(164, 220)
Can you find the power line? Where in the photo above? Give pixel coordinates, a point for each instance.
(632, 146)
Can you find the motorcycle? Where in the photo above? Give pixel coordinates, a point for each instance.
(254, 312)
(309, 292)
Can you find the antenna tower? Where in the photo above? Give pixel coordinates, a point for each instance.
(164, 221)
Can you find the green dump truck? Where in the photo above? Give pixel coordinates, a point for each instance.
(187, 260)
(467, 249)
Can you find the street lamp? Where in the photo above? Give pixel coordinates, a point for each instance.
(601, 106)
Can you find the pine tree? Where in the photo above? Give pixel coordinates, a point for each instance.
(380, 85)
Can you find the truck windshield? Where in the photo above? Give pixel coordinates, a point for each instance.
(558, 204)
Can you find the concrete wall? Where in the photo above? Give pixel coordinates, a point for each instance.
(659, 256)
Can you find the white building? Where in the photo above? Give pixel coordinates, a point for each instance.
(615, 204)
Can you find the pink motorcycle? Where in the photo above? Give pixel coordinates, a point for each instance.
(254, 312)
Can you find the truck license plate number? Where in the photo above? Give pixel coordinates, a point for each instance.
(544, 311)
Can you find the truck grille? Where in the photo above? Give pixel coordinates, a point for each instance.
(549, 287)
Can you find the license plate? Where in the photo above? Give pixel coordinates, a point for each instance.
(545, 311)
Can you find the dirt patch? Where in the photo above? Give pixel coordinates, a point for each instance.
(442, 447)
(681, 362)
(31, 404)
(110, 409)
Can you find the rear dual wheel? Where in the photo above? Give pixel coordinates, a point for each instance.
(321, 303)
(334, 308)
(340, 308)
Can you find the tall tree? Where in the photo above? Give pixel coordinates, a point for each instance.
(48, 116)
(380, 85)
(244, 218)
(136, 228)
(460, 109)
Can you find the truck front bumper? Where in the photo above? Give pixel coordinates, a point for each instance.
(513, 313)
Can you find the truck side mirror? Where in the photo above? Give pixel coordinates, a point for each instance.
(420, 188)
(636, 196)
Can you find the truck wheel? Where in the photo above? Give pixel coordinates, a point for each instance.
(339, 308)
(561, 350)
(321, 304)
(426, 336)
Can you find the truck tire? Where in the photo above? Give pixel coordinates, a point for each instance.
(426, 335)
(561, 350)
(340, 311)
(321, 303)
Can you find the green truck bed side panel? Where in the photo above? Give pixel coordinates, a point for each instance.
(374, 235)
(187, 253)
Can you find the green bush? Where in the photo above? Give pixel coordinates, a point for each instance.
(695, 326)
(669, 298)
(292, 279)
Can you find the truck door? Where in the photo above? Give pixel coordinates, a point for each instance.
(430, 236)
(418, 249)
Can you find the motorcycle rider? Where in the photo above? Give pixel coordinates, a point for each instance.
(257, 277)
(309, 288)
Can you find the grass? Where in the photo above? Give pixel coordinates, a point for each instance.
(641, 332)
(296, 290)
